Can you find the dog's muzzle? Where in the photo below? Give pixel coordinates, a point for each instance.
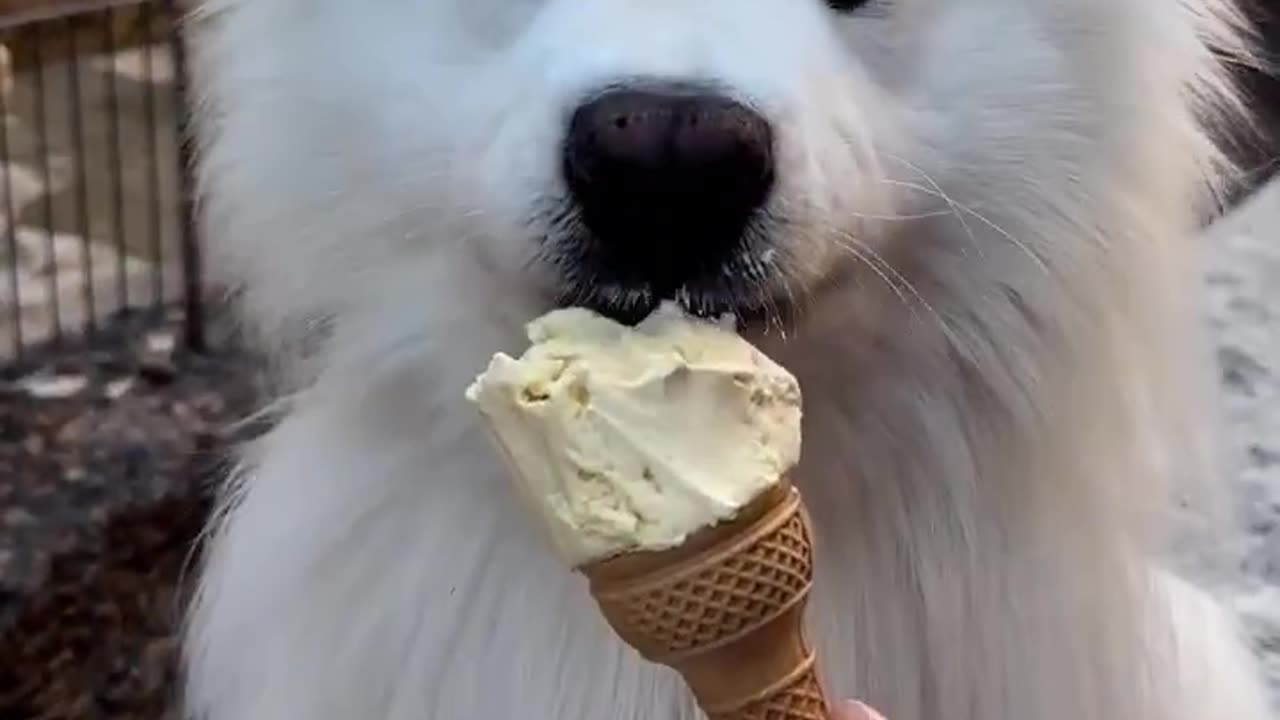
(665, 182)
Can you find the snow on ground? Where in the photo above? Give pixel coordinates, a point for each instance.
(1243, 310)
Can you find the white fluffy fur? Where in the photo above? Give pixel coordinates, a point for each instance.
(990, 208)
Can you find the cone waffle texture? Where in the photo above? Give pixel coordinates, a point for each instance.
(725, 609)
(801, 698)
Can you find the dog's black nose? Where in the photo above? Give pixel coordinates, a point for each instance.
(667, 181)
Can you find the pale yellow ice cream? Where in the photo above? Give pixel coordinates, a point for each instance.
(626, 439)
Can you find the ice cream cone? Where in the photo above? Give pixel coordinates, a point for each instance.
(656, 458)
(725, 609)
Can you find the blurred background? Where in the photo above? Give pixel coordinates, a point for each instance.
(122, 387)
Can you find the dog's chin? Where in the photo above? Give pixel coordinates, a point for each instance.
(709, 272)
(623, 305)
(750, 308)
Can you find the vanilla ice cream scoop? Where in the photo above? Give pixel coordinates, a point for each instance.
(625, 439)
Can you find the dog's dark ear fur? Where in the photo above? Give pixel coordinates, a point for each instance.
(1256, 150)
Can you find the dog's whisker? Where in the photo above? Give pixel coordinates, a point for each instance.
(954, 208)
(760, 284)
(759, 266)
(784, 279)
(890, 275)
(896, 217)
(859, 255)
(961, 209)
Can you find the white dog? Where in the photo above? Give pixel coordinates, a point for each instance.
(966, 225)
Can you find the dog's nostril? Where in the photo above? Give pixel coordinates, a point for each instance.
(666, 181)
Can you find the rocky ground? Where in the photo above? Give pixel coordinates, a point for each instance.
(107, 450)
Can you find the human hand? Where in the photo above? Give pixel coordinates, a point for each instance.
(854, 710)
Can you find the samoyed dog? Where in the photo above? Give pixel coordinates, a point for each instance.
(965, 225)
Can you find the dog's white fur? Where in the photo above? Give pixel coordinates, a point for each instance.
(989, 209)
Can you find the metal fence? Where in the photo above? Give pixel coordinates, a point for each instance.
(94, 185)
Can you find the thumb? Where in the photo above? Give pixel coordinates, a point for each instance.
(854, 710)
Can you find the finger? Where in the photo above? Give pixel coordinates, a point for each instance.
(868, 712)
(854, 710)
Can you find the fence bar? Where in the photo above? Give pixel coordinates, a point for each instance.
(82, 171)
(153, 158)
(42, 122)
(192, 265)
(114, 161)
(25, 13)
(10, 230)
(131, 214)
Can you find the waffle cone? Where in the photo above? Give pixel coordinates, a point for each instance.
(725, 610)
